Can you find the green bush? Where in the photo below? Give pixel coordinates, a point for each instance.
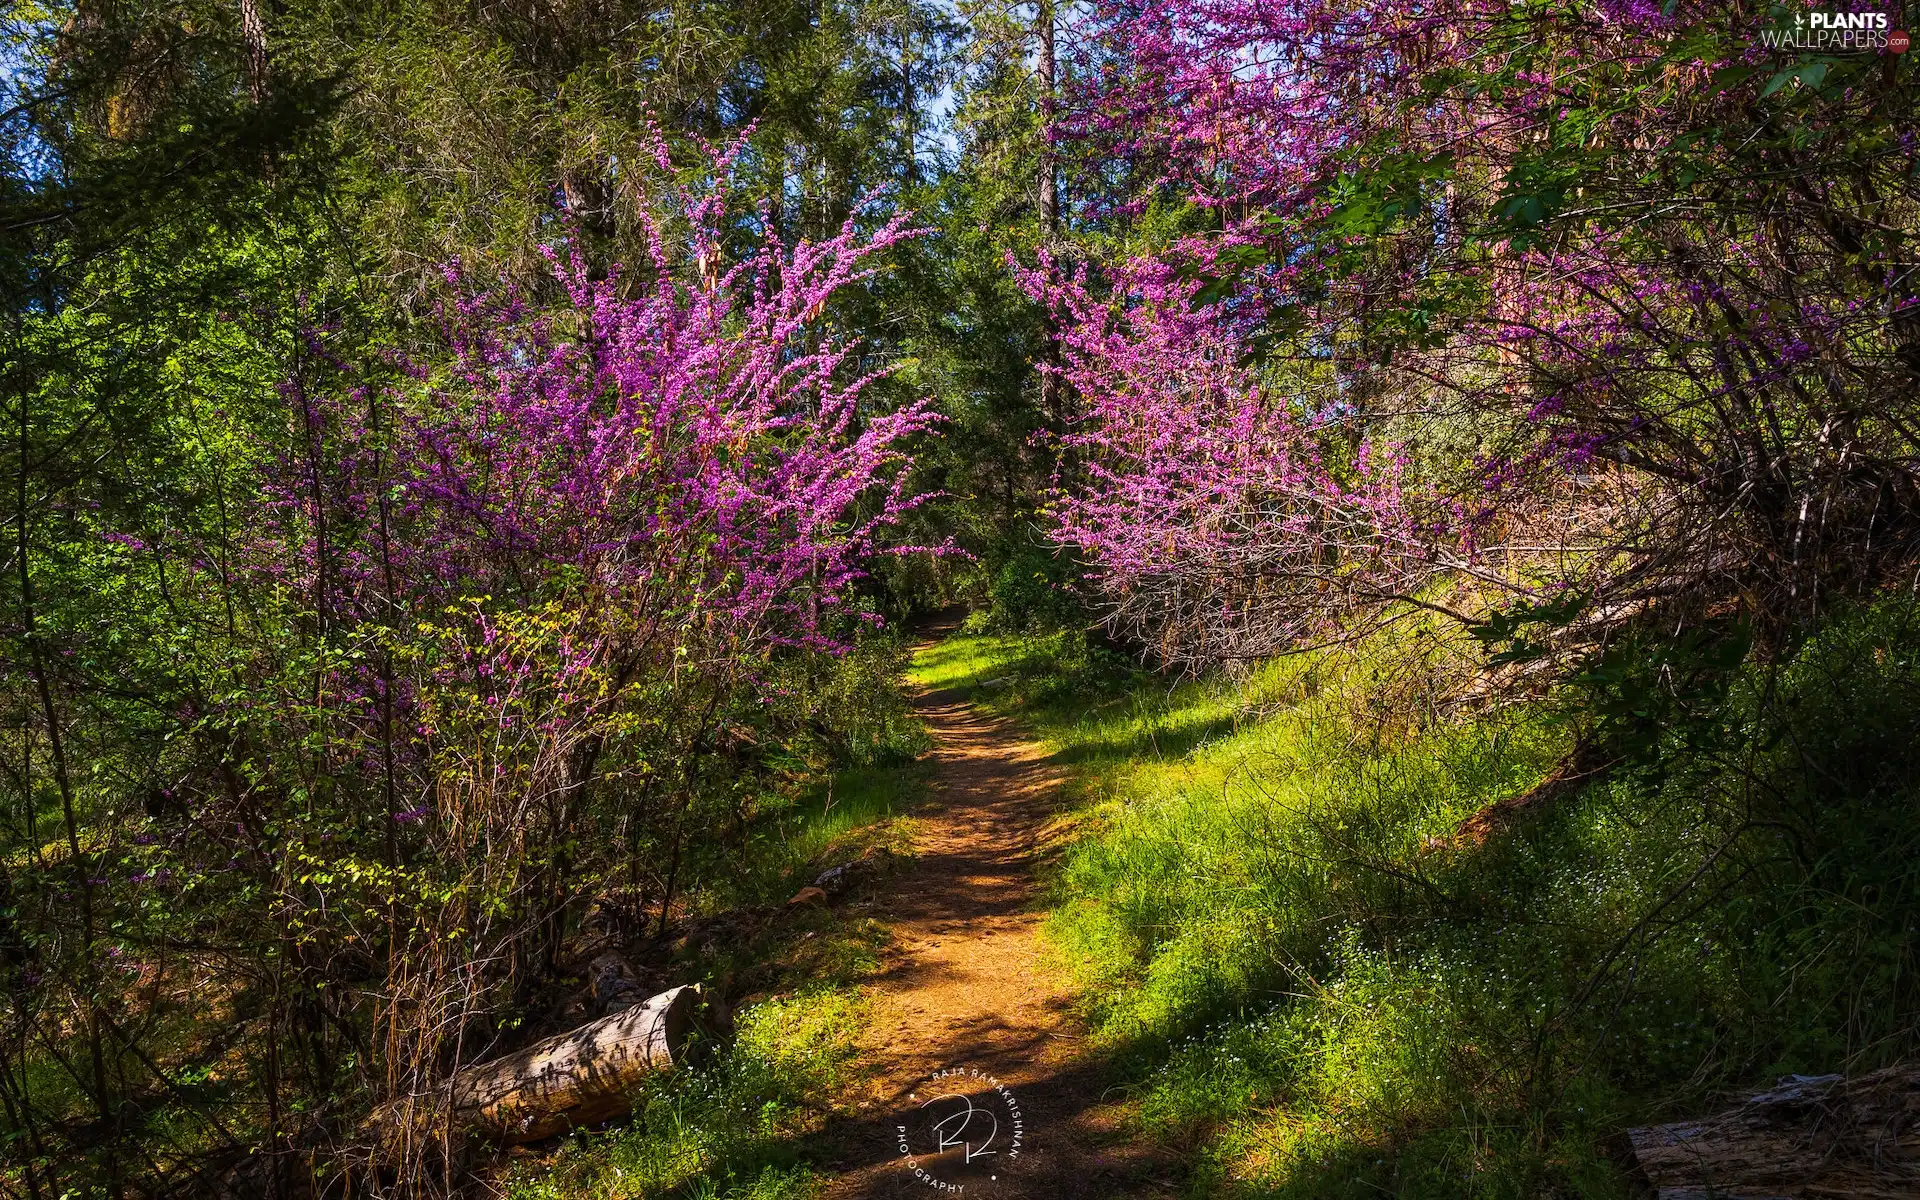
(1031, 591)
(849, 707)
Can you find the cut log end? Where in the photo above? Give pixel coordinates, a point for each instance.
(578, 1078)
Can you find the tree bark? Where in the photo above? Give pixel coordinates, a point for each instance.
(253, 31)
(1045, 64)
(1046, 67)
(1813, 1136)
(577, 1078)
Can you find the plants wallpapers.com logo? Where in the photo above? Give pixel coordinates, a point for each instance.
(1837, 33)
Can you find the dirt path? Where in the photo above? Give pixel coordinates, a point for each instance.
(966, 993)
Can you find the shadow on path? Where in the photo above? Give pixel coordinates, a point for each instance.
(965, 992)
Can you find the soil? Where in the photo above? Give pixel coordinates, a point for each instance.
(967, 991)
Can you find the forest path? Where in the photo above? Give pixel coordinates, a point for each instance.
(965, 989)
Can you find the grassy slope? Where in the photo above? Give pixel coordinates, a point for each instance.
(1318, 990)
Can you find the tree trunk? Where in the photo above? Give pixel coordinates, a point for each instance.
(577, 1078)
(1046, 65)
(253, 31)
(1813, 1136)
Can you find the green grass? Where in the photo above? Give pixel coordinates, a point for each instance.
(728, 1129)
(1313, 988)
(850, 813)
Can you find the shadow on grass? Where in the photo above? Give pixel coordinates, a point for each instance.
(1155, 740)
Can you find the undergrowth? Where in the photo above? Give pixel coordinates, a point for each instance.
(728, 1129)
(1317, 979)
(734, 1126)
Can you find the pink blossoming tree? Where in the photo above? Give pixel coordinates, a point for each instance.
(549, 580)
(1621, 286)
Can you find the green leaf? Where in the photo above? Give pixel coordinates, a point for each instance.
(1809, 74)
(1728, 78)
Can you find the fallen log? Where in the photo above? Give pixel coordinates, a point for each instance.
(1822, 1136)
(576, 1078)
